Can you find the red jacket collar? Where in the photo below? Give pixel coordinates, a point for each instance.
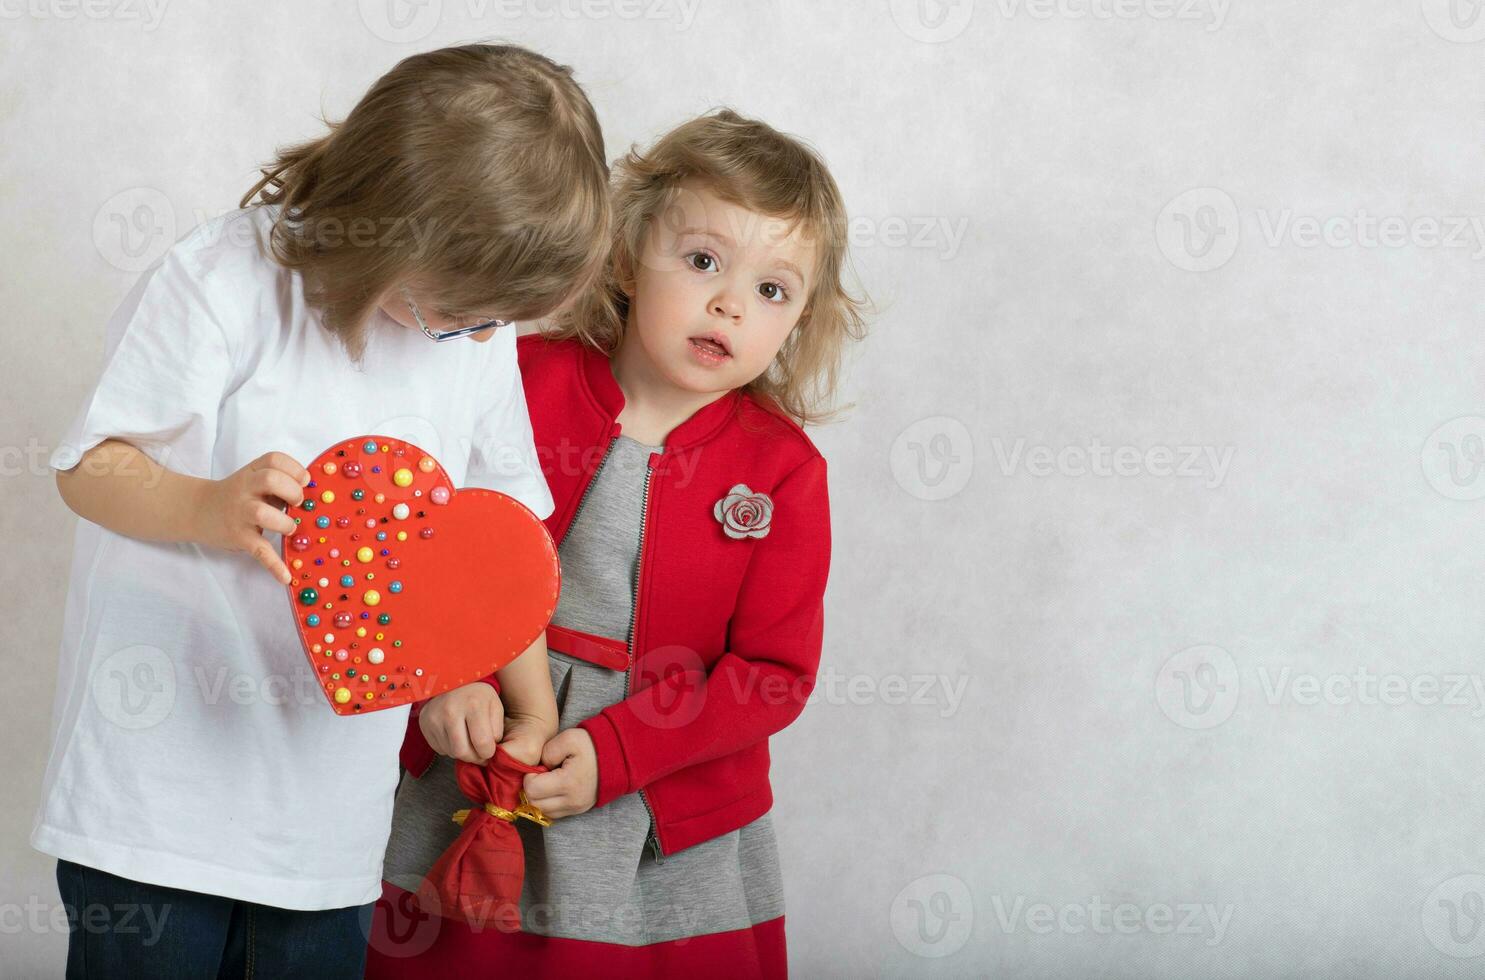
(598, 374)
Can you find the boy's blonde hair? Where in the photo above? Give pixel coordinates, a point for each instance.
(752, 165)
(475, 174)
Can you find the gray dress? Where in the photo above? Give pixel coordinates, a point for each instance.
(592, 876)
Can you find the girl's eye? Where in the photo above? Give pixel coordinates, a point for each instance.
(774, 292)
(702, 262)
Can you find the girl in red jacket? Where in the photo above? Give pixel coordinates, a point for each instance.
(694, 534)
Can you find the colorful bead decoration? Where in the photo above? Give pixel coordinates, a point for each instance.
(446, 632)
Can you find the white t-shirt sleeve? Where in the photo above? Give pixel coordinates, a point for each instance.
(166, 369)
(503, 455)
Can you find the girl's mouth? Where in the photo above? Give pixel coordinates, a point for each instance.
(708, 351)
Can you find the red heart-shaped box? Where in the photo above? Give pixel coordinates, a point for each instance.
(404, 586)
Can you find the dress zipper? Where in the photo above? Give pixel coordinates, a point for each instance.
(653, 839)
(613, 437)
(639, 566)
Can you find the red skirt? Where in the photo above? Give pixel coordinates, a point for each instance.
(408, 944)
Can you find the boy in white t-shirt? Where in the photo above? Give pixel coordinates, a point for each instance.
(196, 776)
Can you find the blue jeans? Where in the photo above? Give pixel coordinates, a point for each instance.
(123, 928)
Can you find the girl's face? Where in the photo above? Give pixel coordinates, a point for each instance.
(715, 274)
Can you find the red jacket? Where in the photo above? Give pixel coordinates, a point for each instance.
(727, 631)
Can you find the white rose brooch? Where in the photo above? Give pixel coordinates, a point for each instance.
(743, 513)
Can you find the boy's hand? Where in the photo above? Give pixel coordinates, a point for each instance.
(572, 785)
(236, 510)
(525, 736)
(465, 723)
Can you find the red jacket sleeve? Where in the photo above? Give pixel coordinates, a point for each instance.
(760, 684)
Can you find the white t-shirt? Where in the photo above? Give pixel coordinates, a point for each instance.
(192, 746)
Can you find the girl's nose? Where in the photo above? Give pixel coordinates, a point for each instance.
(726, 305)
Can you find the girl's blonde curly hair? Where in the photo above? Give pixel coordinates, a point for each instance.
(750, 164)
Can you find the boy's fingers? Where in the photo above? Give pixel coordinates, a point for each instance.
(480, 739)
(277, 483)
(434, 725)
(284, 463)
(270, 518)
(265, 555)
(458, 747)
(496, 720)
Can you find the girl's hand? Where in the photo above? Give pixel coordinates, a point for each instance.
(235, 511)
(464, 723)
(525, 735)
(572, 785)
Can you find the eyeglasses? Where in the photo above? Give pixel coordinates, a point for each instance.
(441, 335)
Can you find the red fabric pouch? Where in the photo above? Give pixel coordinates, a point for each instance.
(478, 879)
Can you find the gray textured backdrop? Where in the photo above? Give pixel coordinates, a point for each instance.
(1153, 641)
